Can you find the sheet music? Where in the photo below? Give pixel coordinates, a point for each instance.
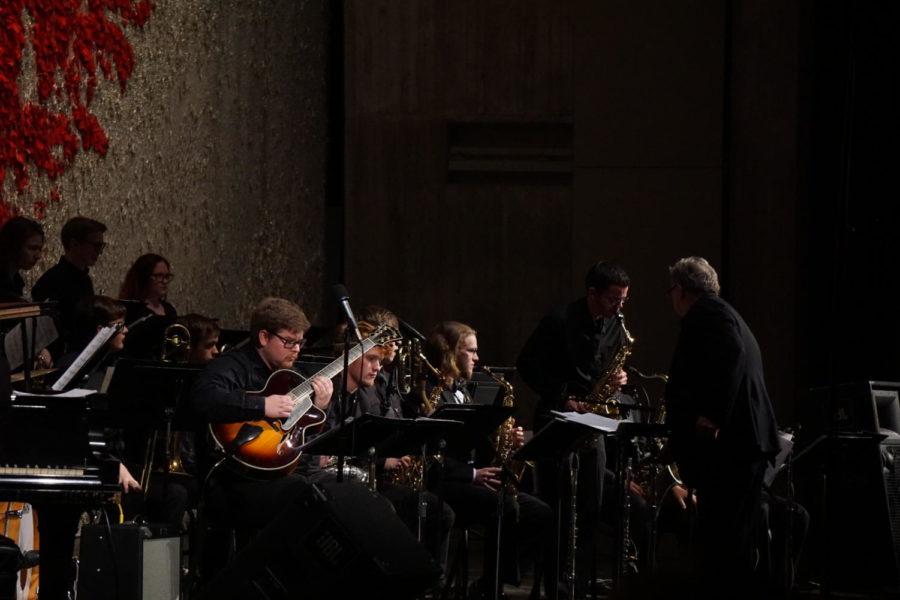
(604, 424)
(87, 354)
(44, 332)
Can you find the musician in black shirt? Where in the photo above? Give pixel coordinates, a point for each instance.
(470, 485)
(21, 246)
(364, 399)
(563, 359)
(69, 282)
(58, 523)
(223, 394)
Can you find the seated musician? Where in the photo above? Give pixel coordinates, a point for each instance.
(363, 395)
(165, 500)
(470, 487)
(203, 333)
(58, 523)
(386, 383)
(232, 389)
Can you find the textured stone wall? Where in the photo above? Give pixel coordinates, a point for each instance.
(216, 157)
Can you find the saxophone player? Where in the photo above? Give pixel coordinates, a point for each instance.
(563, 359)
(470, 485)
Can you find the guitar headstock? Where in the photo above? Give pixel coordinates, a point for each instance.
(384, 335)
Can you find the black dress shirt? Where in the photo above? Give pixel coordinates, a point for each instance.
(220, 394)
(69, 286)
(565, 354)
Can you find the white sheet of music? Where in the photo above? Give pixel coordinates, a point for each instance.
(604, 424)
(89, 352)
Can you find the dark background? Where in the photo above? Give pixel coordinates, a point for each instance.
(484, 153)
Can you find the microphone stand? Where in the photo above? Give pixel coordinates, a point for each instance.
(343, 408)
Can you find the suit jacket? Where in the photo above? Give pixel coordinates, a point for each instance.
(717, 373)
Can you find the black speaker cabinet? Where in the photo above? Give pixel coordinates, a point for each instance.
(857, 536)
(337, 540)
(128, 565)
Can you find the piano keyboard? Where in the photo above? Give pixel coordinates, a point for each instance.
(36, 471)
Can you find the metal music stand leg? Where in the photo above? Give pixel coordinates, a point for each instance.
(501, 500)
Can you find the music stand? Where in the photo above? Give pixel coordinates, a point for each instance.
(371, 436)
(480, 422)
(151, 393)
(560, 439)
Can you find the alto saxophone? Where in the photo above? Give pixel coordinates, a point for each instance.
(602, 400)
(505, 442)
(412, 475)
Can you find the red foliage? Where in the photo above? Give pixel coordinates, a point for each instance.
(71, 40)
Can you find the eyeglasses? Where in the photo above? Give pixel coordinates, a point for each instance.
(163, 277)
(289, 343)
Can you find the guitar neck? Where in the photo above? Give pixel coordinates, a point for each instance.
(333, 368)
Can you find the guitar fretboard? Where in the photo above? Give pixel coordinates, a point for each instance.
(303, 392)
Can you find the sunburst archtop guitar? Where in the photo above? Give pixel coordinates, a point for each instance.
(271, 447)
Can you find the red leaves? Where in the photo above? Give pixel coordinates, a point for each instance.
(71, 40)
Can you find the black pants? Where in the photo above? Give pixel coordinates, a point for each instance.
(554, 488)
(729, 513)
(526, 533)
(439, 518)
(57, 524)
(249, 503)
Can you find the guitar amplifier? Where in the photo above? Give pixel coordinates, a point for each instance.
(130, 564)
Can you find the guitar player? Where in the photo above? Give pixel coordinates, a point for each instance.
(220, 395)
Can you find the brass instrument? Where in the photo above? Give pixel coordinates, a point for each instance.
(412, 475)
(409, 364)
(602, 399)
(176, 340)
(175, 344)
(505, 443)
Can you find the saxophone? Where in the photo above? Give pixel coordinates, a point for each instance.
(602, 398)
(412, 475)
(505, 443)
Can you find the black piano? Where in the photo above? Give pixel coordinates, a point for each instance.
(49, 452)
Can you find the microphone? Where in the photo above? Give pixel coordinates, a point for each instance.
(411, 330)
(343, 298)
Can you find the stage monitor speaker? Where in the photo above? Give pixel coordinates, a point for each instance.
(859, 536)
(337, 540)
(129, 565)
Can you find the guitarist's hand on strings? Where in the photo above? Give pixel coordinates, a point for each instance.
(323, 389)
(279, 406)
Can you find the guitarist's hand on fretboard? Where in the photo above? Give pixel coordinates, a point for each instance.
(322, 388)
(279, 406)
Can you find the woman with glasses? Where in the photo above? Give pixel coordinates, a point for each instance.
(147, 281)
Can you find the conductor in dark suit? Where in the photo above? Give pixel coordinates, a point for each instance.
(723, 425)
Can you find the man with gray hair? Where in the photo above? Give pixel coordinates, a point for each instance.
(723, 425)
